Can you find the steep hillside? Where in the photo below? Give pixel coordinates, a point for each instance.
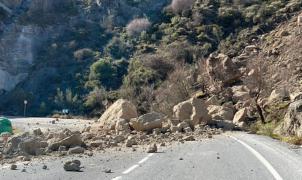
(84, 54)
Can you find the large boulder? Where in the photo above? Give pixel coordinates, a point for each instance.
(193, 110)
(241, 93)
(240, 117)
(147, 122)
(292, 124)
(122, 126)
(121, 109)
(279, 95)
(71, 141)
(221, 68)
(25, 144)
(221, 112)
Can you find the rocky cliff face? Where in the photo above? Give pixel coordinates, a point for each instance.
(38, 39)
(18, 41)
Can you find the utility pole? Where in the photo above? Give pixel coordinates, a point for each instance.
(25, 104)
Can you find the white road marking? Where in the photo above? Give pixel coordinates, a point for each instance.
(269, 167)
(134, 167)
(117, 178)
(145, 159)
(131, 169)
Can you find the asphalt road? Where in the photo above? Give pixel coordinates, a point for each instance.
(233, 156)
(29, 124)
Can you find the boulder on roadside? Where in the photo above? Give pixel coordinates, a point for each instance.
(71, 141)
(292, 124)
(240, 93)
(25, 144)
(240, 118)
(74, 165)
(193, 110)
(147, 122)
(152, 148)
(221, 112)
(76, 150)
(278, 95)
(221, 68)
(121, 109)
(122, 126)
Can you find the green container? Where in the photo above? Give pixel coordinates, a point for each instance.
(5, 125)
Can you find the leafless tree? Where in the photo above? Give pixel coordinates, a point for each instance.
(255, 80)
(136, 26)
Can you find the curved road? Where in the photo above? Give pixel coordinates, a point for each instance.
(233, 156)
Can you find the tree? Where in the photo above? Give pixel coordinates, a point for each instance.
(255, 81)
(136, 26)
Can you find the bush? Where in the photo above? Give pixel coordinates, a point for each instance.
(83, 54)
(136, 26)
(179, 6)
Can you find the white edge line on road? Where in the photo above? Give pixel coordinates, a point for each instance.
(117, 178)
(269, 167)
(131, 169)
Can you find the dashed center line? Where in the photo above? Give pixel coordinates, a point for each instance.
(133, 167)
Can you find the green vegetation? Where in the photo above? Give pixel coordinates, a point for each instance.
(109, 52)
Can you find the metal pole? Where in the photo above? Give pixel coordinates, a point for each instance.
(24, 113)
(25, 104)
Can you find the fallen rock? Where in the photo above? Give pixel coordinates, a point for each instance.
(222, 69)
(32, 146)
(193, 110)
(74, 165)
(221, 112)
(292, 124)
(37, 132)
(76, 150)
(240, 118)
(189, 138)
(121, 109)
(147, 122)
(152, 148)
(13, 167)
(278, 95)
(122, 125)
(71, 141)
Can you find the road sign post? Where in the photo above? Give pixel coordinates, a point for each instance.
(25, 104)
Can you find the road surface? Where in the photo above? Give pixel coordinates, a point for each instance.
(232, 156)
(29, 124)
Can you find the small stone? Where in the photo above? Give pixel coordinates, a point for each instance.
(152, 148)
(218, 157)
(181, 159)
(23, 170)
(44, 167)
(76, 150)
(90, 154)
(162, 144)
(62, 148)
(73, 165)
(108, 171)
(189, 138)
(13, 167)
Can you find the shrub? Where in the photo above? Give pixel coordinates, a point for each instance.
(83, 54)
(179, 6)
(136, 26)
